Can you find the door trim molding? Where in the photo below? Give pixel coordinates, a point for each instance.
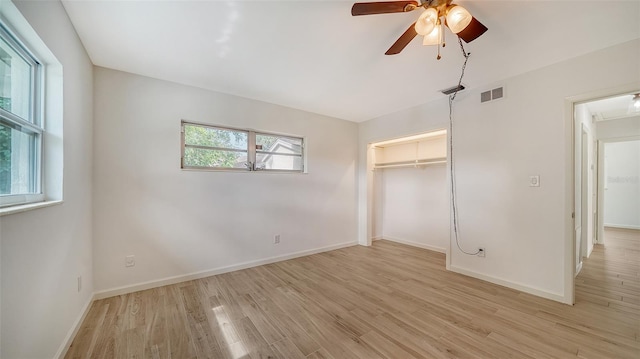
(569, 200)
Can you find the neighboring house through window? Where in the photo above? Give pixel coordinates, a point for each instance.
(278, 152)
(224, 148)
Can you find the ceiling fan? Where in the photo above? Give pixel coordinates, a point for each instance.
(429, 25)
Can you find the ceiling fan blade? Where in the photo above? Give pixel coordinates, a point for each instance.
(403, 41)
(383, 7)
(472, 31)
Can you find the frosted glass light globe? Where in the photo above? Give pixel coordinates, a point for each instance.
(434, 37)
(458, 18)
(427, 21)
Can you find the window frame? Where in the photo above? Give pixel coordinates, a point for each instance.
(33, 125)
(184, 145)
(251, 151)
(301, 155)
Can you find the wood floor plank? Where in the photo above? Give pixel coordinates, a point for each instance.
(289, 327)
(224, 334)
(286, 349)
(385, 301)
(88, 333)
(424, 344)
(320, 354)
(253, 343)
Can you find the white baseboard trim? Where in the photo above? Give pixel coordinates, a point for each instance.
(578, 268)
(622, 226)
(210, 272)
(512, 285)
(66, 344)
(416, 244)
(376, 238)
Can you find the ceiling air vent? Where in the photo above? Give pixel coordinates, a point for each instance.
(491, 95)
(453, 89)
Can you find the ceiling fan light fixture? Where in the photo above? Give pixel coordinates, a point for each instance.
(458, 18)
(427, 21)
(434, 37)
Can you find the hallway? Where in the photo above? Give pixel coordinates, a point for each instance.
(610, 282)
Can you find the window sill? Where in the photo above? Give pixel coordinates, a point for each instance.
(27, 207)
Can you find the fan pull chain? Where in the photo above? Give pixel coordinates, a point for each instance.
(440, 40)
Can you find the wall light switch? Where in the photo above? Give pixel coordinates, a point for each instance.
(534, 181)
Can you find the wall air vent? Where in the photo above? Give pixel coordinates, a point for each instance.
(496, 93)
(491, 95)
(453, 89)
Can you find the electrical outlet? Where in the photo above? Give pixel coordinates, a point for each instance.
(129, 261)
(481, 252)
(79, 283)
(276, 239)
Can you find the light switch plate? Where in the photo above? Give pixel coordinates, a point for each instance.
(534, 181)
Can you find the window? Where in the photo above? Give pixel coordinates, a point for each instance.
(281, 153)
(223, 148)
(21, 129)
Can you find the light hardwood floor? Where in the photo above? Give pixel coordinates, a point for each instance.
(384, 301)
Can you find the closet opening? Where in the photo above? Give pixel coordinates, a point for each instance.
(409, 199)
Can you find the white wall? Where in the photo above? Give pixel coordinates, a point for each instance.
(610, 131)
(622, 184)
(179, 222)
(415, 206)
(412, 204)
(497, 146)
(377, 205)
(618, 129)
(44, 250)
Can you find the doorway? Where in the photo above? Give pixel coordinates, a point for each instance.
(606, 154)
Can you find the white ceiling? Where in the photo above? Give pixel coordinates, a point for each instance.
(314, 56)
(613, 108)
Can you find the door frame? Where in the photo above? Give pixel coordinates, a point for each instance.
(569, 183)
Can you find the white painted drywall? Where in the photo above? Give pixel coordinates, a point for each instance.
(415, 206)
(179, 222)
(378, 204)
(618, 129)
(622, 184)
(44, 250)
(412, 204)
(610, 131)
(497, 146)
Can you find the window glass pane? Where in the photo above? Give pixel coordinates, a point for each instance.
(278, 162)
(215, 137)
(17, 161)
(198, 157)
(279, 144)
(15, 82)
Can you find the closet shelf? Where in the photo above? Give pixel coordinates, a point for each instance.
(415, 163)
